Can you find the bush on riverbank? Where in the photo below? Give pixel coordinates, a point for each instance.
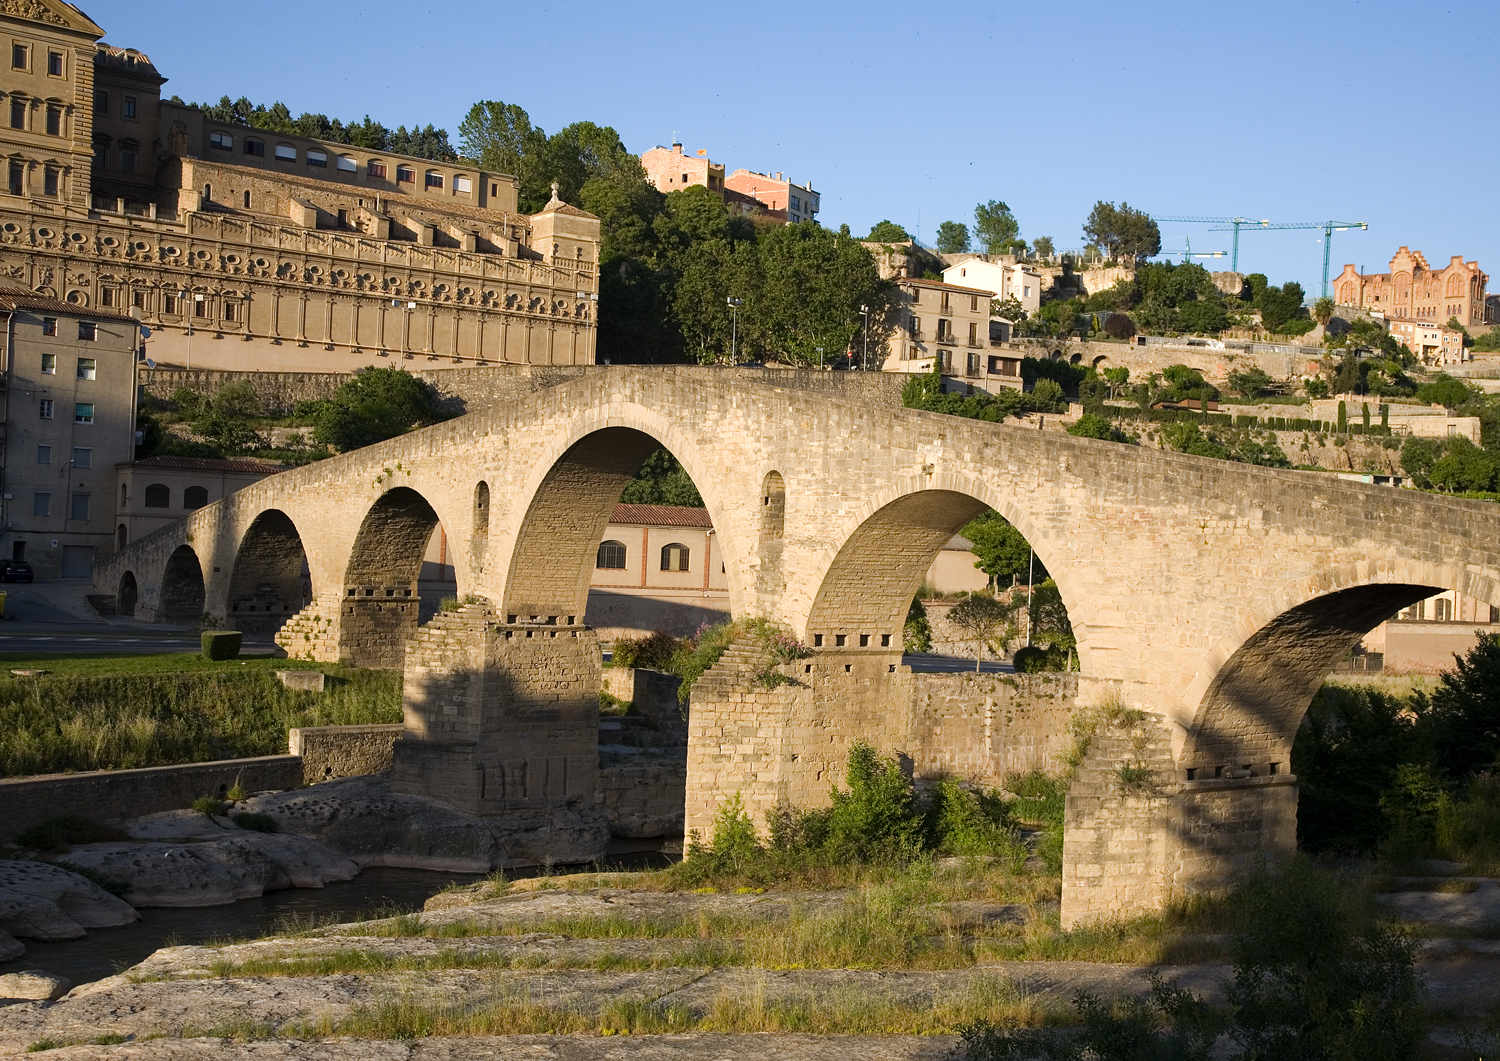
(64, 723)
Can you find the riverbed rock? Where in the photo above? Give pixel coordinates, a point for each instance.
(46, 902)
(240, 864)
(362, 817)
(10, 947)
(32, 985)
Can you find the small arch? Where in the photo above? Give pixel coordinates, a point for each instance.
(194, 497)
(676, 557)
(769, 579)
(208, 193)
(611, 556)
(126, 595)
(158, 495)
(1076, 359)
(247, 198)
(182, 587)
(267, 584)
(481, 509)
(122, 536)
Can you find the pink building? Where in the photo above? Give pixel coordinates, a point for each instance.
(671, 171)
(797, 202)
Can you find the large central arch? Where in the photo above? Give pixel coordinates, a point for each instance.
(266, 585)
(381, 604)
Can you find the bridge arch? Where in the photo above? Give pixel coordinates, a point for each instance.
(127, 595)
(554, 534)
(1244, 706)
(266, 583)
(381, 602)
(182, 592)
(871, 570)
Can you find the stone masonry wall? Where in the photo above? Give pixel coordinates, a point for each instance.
(104, 794)
(330, 752)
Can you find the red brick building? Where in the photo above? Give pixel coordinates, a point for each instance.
(1415, 291)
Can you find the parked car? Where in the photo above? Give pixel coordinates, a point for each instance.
(15, 571)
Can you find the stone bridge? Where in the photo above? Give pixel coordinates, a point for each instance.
(1213, 597)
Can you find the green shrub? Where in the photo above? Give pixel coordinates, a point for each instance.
(1468, 829)
(1034, 659)
(877, 818)
(653, 652)
(221, 644)
(965, 822)
(209, 805)
(1040, 803)
(916, 636)
(735, 844)
(57, 834)
(259, 823)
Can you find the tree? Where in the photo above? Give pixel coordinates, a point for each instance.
(888, 232)
(1119, 326)
(1043, 247)
(1117, 378)
(423, 142)
(1249, 383)
(1464, 720)
(1009, 310)
(1257, 284)
(377, 404)
(952, 237)
(981, 617)
(500, 137)
(995, 226)
(1278, 305)
(1323, 310)
(1443, 389)
(661, 480)
(1002, 552)
(1122, 231)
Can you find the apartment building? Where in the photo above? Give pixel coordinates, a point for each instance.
(70, 404)
(934, 323)
(1008, 279)
(1429, 340)
(245, 248)
(780, 196)
(671, 171)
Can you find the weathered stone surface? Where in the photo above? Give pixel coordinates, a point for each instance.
(240, 865)
(10, 947)
(40, 901)
(361, 817)
(32, 985)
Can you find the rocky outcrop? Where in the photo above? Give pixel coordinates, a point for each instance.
(32, 985)
(10, 947)
(363, 818)
(241, 865)
(44, 902)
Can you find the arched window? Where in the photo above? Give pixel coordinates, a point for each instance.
(195, 497)
(611, 556)
(1442, 610)
(481, 509)
(1455, 284)
(286, 153)
(158, 495)
(255, 147)
(347, 164)
(120, 535)
(434, 179)
(674, 557)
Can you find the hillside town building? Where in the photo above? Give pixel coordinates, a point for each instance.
(671, 171)
(783, 199)
(949, 326)
(245, 248)
(70, 404)
(1008, 279)
(1413, 290)
(1430, 341)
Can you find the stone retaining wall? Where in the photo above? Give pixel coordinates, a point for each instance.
(104, 794)
(330, 752)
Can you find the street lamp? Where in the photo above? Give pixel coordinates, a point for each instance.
(734, 324)
(864, 365)
(819, 349)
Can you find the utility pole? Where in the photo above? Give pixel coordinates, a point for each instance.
(864, 361)
(734, 325)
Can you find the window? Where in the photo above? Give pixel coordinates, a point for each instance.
(1442, 610)
(49, 327)
(231, 311)
(247, 198)
(127, 107)
(83, 412)
(347, 164)
(434, 179)
(127, 157)
(221, 141)
(87, 367)
(138, 298)
(41, 503)
(106, 296)
(49, 361)
(375, 170)
(55, 64)
(20, 57)
(17, 179)
(611, 556)
(317, 158)
(49, 182)
(44, 454)
(101, 101)
(195, 497)
(200, 306)
(83, 457)
(45, 409)
(286, 153)
(158, 495)
(462, 186)
(88, 331)
(18, 114)
(406, 174)
(254, 147)
(80, 507)
(54, 121)
(169, 303)
(674, 557)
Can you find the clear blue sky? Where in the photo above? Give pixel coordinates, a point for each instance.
(1361, 111)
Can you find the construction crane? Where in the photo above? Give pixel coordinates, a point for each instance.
(1234, 223)
(1328, 227)
(1188, 255)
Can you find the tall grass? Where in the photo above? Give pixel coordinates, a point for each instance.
(121, 721)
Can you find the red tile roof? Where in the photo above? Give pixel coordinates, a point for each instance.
(661, 516)
(12, 299)
(209, 464)
(917, 281)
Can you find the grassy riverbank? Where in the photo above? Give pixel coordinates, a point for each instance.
(120, 712)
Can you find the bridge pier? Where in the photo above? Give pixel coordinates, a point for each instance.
(1138, 834)
(500, 717)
